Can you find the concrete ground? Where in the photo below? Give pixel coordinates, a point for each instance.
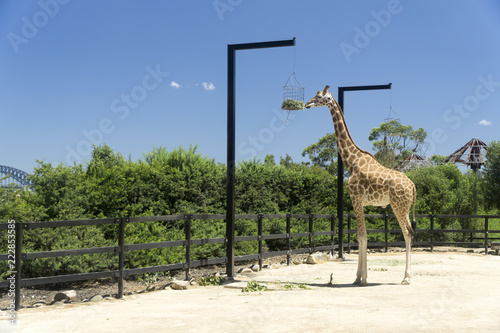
(449, 292)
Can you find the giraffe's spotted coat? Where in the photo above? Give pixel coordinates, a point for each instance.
(370, 184)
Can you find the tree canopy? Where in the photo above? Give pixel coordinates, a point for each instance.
(393, 142)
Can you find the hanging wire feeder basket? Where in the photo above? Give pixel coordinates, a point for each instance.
(293, 95)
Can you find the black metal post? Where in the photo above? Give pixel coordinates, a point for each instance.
(17, 261)
(188, 245)
(340, 167)
(231, 144)
(121, 254)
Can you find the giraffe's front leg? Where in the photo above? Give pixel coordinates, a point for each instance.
(361, 274)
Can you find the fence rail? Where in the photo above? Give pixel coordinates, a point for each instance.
(16, 259)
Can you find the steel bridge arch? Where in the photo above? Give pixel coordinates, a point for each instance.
(18, 175)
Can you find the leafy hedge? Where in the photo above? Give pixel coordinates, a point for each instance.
(183, 181)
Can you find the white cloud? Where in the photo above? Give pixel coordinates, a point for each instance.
(175, 84)
(208, 86)
(485, 122)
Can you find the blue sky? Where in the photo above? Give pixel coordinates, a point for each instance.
(142, 74)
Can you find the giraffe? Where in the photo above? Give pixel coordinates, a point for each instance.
(370, 183)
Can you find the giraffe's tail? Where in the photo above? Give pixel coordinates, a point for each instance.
(414, 222)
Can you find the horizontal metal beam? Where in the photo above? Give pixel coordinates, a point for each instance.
(262, 45)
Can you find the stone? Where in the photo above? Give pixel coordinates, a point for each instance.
(316, 258)
(96, 298)
(39, 304)
(245, 270)
(236, 284)
(179, 285)
(255, 268)
(65, 295)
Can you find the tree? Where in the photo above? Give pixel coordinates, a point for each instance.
(491, 179)
(324, 153)
(393, 142)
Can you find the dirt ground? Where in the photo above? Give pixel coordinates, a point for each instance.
(450, 292)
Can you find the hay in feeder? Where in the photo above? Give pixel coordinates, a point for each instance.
(292, 105)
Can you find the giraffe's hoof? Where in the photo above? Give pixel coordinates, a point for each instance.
(406, 281)
(360, 282)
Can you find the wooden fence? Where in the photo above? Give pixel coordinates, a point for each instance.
(15, 254)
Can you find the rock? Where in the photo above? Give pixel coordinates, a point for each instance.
(96, 298)
(58, 304)
(255, 268)
(317, 258)
(39, 304)
(179, 285)
(65, 295)
(296, 262)
(245, 270)
(236, 284)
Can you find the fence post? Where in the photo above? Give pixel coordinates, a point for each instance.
(332, 222)
(288, 239)
(187, 226)
(386, 229)
(432, 232)
(311, 247)
(259, 231)
(17, 261)
(349, 233)
(486, 235)
(121, 254)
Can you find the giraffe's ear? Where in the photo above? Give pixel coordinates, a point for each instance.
(326, 89)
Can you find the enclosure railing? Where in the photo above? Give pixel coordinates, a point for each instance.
(16, 255)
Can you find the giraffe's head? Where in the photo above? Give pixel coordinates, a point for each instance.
(322, 98)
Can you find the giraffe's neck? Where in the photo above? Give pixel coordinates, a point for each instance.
(348, 150)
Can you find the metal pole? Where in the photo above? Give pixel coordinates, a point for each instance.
(340, 167)
(231, 144)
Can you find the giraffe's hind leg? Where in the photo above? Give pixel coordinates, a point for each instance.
(404, 222)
